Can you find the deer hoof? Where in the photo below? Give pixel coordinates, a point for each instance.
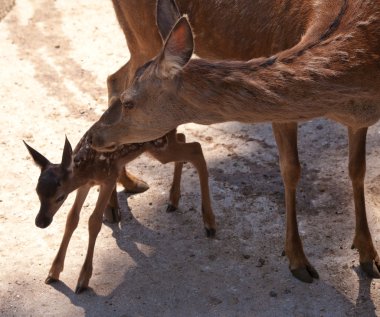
(51, 280)
(371, 269)
(210, 233)
(305, 274)
(80, 289)
(171, 208)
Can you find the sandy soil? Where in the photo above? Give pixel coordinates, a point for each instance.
(54, 60)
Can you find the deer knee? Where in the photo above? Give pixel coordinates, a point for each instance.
(291, 172)
(356, 171)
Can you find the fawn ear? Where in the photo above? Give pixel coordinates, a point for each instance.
(167, 16)
(38, 158)
(67, 156)
(177, 50)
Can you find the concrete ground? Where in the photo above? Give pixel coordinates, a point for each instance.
(54, 60)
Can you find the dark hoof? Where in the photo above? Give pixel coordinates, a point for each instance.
(305, 274)
(139, 187)
(112, 215)
(51, 280)
(171, 208)
(80, 289)
(210, 233)
(371, 269)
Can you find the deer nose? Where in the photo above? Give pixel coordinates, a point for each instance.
(43, 221)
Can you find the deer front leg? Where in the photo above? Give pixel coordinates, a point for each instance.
(71, 225)
(94, 226)
(368, 257)
(286, 139)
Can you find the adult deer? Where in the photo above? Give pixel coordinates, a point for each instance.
(85, 168)
(332, 72)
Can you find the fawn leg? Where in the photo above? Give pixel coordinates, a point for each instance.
(94, 226)
(112, 212)
(191, 152)
(286, 139)
(175, 189)
(71, 224)
(368, 257)
(131, 183)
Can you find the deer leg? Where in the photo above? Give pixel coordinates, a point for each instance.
(286, 139)
(192, 152)
(368, 257)
(112, 212)
(175, 190)
(131, 183)
(94, 226)
(71, 224)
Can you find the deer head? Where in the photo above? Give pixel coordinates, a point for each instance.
(53, 183)
(150, 107)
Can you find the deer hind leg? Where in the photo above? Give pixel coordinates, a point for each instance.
(112, 211)
(368, 257)
(131, 183)
(192, 153)
(71, 224)
(94, 226)
(286, 139)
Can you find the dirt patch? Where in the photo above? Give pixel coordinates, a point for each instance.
(54, 60)
(5, 7)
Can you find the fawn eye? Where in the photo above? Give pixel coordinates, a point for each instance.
(60, 198)
(129, 104)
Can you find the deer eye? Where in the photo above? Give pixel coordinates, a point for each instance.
(60, 198)
(129, 104)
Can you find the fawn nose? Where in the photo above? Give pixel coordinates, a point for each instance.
(43, 221)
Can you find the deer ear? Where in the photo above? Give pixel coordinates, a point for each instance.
(67, 156)
(38, 158)
(167, 16)
(177, 50)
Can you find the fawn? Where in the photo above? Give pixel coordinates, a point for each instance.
(85, 168)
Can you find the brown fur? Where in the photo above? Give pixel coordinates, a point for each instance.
(332, 70)
(85, 168)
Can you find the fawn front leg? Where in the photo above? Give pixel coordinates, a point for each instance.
(71, 225)
(191, 152)
(286, 139)
(94, 226)
(175, 189)
(368, 257)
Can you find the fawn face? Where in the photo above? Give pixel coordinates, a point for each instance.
(150, 107)
(53, 184)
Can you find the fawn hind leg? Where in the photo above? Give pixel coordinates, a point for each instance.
(112, 211)
(188, 152)
(368, 257)
(286, 139)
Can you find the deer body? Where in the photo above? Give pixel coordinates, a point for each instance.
(85, 168)
(331, 71)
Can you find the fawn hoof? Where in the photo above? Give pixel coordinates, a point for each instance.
(210, 233)
(138, 187)
(371, 269)
(112, 214)
(171, 208)
(305, 274)
(51, 280)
